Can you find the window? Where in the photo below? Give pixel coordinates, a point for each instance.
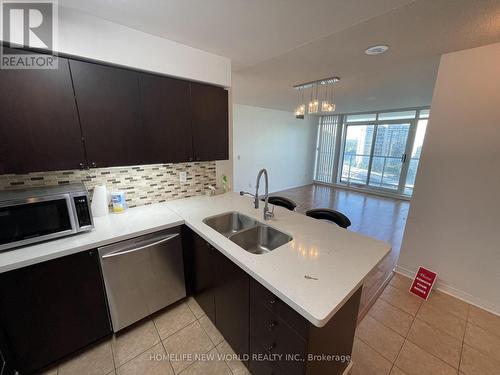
(377, 151)
(325, 148)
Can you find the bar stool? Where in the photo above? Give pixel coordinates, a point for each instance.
(282, 202)
(331, 215)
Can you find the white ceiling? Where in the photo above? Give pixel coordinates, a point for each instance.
(275, 44)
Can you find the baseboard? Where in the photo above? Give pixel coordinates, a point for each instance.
(454, 292)
(348, 368)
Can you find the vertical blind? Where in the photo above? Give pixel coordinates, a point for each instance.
(325, 147)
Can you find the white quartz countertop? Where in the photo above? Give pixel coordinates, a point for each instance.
(337, 258)
(108, 229)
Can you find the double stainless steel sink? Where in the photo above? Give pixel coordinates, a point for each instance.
(248, 233)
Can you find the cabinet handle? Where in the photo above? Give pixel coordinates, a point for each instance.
(81, 165)
(94, 164)
(272, 325)
(272, 301)
(115, 254)
(271, 347)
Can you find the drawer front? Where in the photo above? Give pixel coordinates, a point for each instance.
(260, 295)
(276, 338)
(261, 363)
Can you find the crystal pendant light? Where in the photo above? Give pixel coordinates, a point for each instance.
(300, 109)
(328, 105)
(325, 103)
(313, 104)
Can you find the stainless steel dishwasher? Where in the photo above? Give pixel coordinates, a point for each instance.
(142, 275)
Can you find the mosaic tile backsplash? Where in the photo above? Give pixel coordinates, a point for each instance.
(144, 184)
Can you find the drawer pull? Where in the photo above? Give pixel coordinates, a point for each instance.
(272, 325)
(271, 347)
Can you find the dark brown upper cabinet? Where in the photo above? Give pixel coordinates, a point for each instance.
(39, 129)
(109, 104)
(166, 118)
(209, 116)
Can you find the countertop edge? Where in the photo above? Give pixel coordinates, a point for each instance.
(91, 245)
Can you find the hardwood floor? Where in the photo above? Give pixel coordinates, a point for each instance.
(372, 215)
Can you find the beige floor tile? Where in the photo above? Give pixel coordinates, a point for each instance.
(195, 308)
(97, 360)
(391, 317)
(211, 330)
(476, 363)
(211, 365)
(153, 361)
(401, 282)
(484, 319)
(482, 340)
(367, 361)
(396, 371)
(384, 340)
(448, 303)
(400, 299)
(436, 342)
(134, 340)
(172, 319)
(416, 361)
(186, 344)
(445, 321)
(236, 366)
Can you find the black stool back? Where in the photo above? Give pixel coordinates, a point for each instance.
(331, 215)
(282, 202)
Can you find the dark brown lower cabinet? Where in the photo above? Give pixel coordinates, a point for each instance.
(288, 344)
(51, 309)
(232, 303)
(259, 326)
(199, 270)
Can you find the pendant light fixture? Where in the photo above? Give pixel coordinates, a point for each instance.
(313, 103)
(325, 103)
(300, 109)
(313, 107)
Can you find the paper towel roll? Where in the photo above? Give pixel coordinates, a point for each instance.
(100, 201)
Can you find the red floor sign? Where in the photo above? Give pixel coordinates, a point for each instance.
(423, 282)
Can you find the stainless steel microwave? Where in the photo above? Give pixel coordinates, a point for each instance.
(34, 215)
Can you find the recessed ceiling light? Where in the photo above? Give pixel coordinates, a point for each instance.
(376, 50)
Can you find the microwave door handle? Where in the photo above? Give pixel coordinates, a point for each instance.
(168, 238)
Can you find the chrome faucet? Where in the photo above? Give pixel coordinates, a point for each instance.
(268, 214)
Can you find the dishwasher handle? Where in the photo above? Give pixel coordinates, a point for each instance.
(118, 253)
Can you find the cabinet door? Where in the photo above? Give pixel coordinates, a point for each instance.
(210, 122)
(108, 101)
(232, 296)
(52, 309)
(203, 275)
(39, 128)
(167, 119)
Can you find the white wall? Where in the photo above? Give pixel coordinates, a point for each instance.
(454, 221)
(84, 35)
(272, 139)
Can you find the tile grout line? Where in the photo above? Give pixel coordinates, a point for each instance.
(479, 350)
(163, 346)
(406, 337)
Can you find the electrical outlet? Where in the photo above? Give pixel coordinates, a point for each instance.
(182, 177)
